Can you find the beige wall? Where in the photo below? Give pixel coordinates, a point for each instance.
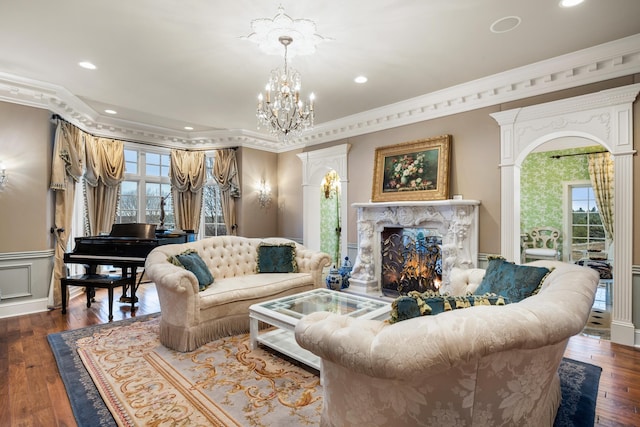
(26, 204)
(474, 166)
(289, 203)
(255, 165)
(475, 171)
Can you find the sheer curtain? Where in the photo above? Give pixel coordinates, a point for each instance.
(188, 176)
(66, 169)
(105, 172)
(601, 175)
(225, 172)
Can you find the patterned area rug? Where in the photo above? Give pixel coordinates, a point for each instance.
(119, 374)
(140, 382)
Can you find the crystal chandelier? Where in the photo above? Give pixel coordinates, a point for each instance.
(280, 109)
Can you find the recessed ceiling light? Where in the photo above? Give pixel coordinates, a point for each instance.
(505, 24)
(570, 3)
(360, 79)
(87, 65)
(188, 128)
(111, 111)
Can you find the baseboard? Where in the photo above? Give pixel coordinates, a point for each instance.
(11, 309)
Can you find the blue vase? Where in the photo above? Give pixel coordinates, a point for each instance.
(334, 279)
(345, 272)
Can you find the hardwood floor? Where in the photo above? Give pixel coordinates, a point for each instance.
(32, 392)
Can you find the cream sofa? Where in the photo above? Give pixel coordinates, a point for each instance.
(191, 318)
(478, 366)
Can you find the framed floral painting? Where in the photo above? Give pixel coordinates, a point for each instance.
(417, 170)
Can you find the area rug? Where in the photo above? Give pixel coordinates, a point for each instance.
(119, 374)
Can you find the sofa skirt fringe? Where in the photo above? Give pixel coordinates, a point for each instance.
(188, 339)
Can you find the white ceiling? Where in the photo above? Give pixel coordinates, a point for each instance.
(164, 64)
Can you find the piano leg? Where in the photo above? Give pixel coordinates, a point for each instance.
(133, 294)
(110, 289)
(129, 272)
(63, 292)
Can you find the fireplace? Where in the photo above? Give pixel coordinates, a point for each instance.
(410, 260)
(405, 246)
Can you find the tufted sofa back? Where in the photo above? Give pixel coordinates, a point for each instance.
(231, 256)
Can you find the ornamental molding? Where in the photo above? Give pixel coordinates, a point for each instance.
(603, 62)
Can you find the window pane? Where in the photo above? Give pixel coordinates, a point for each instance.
(209, 167)
(128, 207)
(212, 211)
(131, 161)
(153, 164)
(587, 231)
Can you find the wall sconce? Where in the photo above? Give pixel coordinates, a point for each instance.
(3, 174)
(330, 184)
(264, 194)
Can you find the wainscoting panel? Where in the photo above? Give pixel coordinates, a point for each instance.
(15, 281)
(24, 282)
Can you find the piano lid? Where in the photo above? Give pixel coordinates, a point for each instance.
(136, 230)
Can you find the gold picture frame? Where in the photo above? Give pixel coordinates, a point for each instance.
(416, 170)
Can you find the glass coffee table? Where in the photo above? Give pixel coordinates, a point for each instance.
(284, 313)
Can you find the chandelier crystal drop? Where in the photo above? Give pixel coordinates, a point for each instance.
(280, 108)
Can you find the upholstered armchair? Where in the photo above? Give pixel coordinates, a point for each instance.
(477, 366)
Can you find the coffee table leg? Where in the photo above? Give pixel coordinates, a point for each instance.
(253, 333)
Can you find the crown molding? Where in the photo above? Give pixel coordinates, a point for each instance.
(603, 62)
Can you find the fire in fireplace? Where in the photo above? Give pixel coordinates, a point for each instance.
(411, 260)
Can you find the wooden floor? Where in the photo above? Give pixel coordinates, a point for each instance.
(32, 392)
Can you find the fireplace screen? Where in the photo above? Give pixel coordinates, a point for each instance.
(411, 260)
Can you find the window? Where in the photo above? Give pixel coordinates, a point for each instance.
(587, 231)
(146, 186)
(147, 183)
(212, 220)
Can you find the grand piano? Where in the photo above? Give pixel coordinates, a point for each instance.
(126, 247)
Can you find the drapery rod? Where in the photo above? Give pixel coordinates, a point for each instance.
(577, 154)
(58, 117)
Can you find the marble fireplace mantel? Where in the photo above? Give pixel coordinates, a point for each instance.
(455, 220)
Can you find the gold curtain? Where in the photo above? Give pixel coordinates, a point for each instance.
(225, 172)
(188, 176)
(66, 169)
(105, 172)
(601, 173)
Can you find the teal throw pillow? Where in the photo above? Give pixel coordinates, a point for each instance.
(191, 261)
(280, 258)
(415, 304)
(403, 308)
(515, 282)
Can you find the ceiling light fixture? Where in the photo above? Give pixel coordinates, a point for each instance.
(360, 79)
(111, 111)
(570, 3)
(88, 65)
(280, 109)
(188, 128)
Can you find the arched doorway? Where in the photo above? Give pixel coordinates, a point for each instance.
(315, 165)
(556, 190)
(604, 117)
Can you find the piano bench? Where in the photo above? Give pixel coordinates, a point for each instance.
(104, 281)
